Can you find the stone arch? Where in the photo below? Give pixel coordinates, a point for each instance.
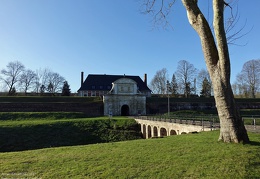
(125, 110)
(149, 131)
(163, 132)
(183, 133)
(173, 132)
(144, 131)
(155, 131)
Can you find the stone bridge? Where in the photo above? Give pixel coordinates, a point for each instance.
(151, 128)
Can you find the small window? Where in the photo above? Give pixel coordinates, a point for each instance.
(93, 87)
(100, 87)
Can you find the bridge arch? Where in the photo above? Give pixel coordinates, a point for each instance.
(149, 131)
(163, 132)
(144, 130)
(173, 132)
(155, 131)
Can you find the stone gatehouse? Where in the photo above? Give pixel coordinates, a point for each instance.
(124, 99)
(122, 94)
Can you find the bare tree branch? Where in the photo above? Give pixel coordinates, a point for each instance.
(159, 10)
(231, 24)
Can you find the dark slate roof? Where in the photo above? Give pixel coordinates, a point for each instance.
(104, 82)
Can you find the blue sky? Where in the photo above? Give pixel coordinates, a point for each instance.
(109, 37)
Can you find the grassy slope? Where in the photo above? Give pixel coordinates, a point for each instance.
(24, 131)
(185, 156)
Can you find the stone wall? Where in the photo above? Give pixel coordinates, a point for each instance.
(91, 109)
(97, 108)
(161, 106)
(113, 104)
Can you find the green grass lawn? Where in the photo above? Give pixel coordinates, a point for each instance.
(184, 156)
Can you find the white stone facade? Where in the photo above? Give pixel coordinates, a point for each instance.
(124, 99)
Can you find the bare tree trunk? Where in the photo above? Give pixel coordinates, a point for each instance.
(218, 65)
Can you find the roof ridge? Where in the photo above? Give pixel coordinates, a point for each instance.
(111, 75)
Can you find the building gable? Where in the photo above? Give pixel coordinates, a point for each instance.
(124, 86)
(103, 84)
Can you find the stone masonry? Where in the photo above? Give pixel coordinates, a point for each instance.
(124, 99)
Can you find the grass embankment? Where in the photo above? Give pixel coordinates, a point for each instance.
(184, 156)
(24, 131)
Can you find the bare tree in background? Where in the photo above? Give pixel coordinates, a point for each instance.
(243, 89)
(41, 80)
(185, 74)
(159, 82)
(240, 86)
(27, 80)
(11, 75)
(216, 54)
(249, 78)
(38, 81)
(55, 81)
(48, 80)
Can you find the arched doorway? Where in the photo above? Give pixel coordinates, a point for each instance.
(125, 110)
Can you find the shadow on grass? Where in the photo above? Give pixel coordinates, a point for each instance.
(41, 136)
(29, 137)
(254, 143)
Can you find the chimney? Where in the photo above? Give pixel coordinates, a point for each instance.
(145, 78)
(82, 77)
